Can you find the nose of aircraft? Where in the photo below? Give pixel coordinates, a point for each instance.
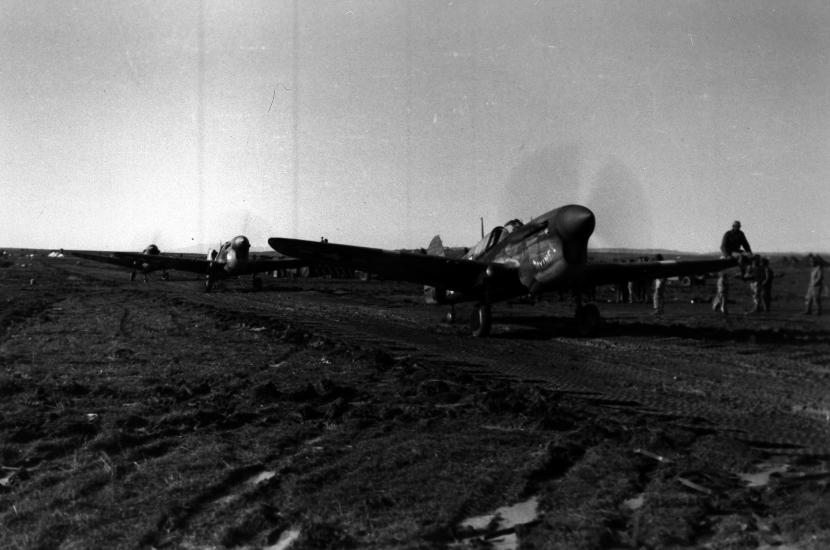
(575, 223)
(241, 243)
(241, 246)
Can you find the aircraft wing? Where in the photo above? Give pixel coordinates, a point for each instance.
(160, 261)
(608, 273)
(202, 266)
(106, 257)
(454, 274)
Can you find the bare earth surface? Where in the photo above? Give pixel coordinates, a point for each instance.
(344, 414)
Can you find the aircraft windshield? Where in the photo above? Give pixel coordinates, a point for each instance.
(493, 238)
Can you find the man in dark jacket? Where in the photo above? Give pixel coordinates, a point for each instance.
(734, 241)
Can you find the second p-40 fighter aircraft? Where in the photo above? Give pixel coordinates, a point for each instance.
(549, 253)
(232, 259)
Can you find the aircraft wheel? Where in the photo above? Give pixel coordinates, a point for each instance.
(208, 284)
(587, 320)
(257, 284)
(481, 320)
(132, 276)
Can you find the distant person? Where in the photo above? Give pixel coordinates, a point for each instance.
(720, 303)
(755, 275)
(659, 291)
(815, 287)
(622, 292)
(766, 284)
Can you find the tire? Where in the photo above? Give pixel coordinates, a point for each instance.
(587, 320)
(481, 320)
(208, 284)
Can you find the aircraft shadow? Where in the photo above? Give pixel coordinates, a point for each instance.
(545, 328)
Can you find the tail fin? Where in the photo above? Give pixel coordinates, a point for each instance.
(436, 247)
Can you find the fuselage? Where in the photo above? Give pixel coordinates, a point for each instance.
(146, 267)
(548, 251)
(232, 255)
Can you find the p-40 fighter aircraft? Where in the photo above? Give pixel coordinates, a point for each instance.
(232, 259)
(549, 253)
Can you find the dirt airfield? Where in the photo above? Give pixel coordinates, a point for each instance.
(344, 414)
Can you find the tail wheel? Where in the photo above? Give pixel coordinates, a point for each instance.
(587, 320)
(481, 320)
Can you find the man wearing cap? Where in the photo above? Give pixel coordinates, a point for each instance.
(734, 240)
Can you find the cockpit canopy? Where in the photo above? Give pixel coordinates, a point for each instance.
(493, 238)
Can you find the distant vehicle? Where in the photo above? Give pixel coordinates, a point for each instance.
(232, 259)
(549, 253)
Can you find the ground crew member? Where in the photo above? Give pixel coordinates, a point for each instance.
(815, 287)
(659, 291)
(755, 275)
(734, 241)
(766, 284)
(721, 298)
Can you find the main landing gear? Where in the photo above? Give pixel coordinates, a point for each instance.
(587, 319)
(481, 320)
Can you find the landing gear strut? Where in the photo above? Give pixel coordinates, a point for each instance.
(481, 320)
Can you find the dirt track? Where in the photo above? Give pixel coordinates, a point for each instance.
(347, 413)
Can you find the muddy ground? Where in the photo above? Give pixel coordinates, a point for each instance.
(345, 414)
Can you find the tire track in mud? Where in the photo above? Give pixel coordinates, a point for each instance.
(667, 376)
(600, 371)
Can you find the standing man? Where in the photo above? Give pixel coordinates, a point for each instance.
(815, 287)
(721, 298)
(766, 284)
(755, 276)
(659, 291)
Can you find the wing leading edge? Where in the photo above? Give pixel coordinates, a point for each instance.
(454, 274)
(192, 265)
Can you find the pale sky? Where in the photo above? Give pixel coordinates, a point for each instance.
(382, 123)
